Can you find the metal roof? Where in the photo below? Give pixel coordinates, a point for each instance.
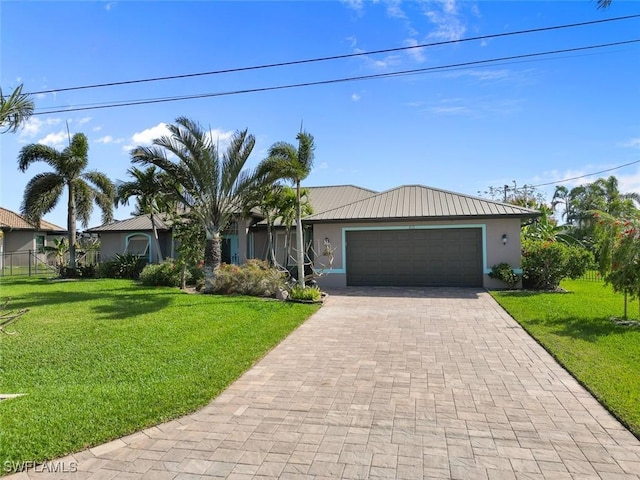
(333, 196)
(418, 201)
(135, 224)
(13, 221)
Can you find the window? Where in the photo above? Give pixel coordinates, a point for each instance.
(40, 243)
(137, 244)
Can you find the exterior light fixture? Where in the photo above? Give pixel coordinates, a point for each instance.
(504, 238)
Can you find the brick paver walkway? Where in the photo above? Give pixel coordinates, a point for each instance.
(387, 383)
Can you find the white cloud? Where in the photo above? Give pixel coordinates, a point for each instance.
(109, 139)
(355, 97)
(354, 4)
(33, 126)
(55, 140)
(633, 143)
(394, 10)
(220, 137)
(146, 137)
(84, 120)
(453, 110)
(446, 19)
(97, 129)
(416, 53)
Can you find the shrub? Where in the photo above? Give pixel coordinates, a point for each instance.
(545, 264)
(165, 274)
(309, 294)
(505, 273)
(256, 278)
(123, 266)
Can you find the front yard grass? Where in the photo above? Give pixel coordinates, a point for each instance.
(576, 328)
(98, 359)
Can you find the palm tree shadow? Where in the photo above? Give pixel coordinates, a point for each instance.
(112, 304)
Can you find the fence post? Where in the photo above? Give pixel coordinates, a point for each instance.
(30, 253)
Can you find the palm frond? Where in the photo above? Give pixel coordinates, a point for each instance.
(84, 196)
(36, 152)
(41, 195)
(14, 109)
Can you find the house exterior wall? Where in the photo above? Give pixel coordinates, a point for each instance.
(494, 251)
(112, 243)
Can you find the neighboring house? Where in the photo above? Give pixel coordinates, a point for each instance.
(134, 235)
(19, 237)
(407, 236)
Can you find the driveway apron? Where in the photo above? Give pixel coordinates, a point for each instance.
(386, 383)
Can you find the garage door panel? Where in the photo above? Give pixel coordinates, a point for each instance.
(422, 257)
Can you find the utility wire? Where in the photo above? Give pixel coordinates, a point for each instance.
(582, 176)
(125, 103)
(336, 57)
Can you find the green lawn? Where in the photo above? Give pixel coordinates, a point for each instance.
(99, 359)
(576, 329)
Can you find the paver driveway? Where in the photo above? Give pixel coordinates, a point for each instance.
(388, 383)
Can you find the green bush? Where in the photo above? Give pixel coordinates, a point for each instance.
(123, 266)
(255, 278)
(165, 274)
(505, 273)
(545, 264)
(310, 294)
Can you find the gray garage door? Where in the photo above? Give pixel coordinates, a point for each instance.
(429, 257)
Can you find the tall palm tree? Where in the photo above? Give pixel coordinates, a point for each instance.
(213, 188)
(287, 162)
(148, 187)
(84, 188)
(14, 109)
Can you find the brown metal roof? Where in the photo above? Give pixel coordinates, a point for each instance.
(135, 224)
(417, 201)
(12, 221)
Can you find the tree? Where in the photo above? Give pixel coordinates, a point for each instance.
(287, 210)
(214, 190)
(604, 3)
(287, 162)
(582, 201)
(149, 188)
(618, 246)
(14, 109)
(84, 188)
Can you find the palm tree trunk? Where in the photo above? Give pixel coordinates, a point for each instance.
(156, 243)
(271, 254)
(212, 260)
(299, 239)
(71, 226)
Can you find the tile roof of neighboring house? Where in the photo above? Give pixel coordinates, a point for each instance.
(417, 201)
(136, 224)
(12, 221)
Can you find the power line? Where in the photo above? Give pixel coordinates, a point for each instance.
(583, 176)
(336, 57)
(126, 103)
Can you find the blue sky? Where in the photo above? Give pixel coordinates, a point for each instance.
(534, 121)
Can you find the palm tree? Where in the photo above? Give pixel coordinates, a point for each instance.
(84, 188)
(287, 162)
(286, 213)
(14, 109)
(213, 189)
(147, 185)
